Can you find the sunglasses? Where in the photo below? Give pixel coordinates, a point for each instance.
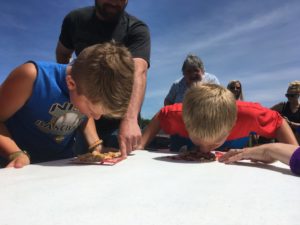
(235, 88)
(291, 95)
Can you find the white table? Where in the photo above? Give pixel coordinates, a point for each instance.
(147, 190)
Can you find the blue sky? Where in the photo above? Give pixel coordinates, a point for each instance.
(257, 42)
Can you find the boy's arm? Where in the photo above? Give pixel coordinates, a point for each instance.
(14, 92)
(150, 131)
(91, 135)
(294, 125)
(284, 134)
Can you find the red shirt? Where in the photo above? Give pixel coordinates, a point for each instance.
(251, 117)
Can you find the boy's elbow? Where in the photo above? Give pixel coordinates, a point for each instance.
(285, 134)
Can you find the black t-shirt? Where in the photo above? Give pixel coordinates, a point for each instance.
(82, 28)
(286, 111)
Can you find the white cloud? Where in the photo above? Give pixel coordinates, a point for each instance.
(9, 20)
(175, 42)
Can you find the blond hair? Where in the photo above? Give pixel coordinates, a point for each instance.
(209, 111)
(294, 86)
(104, 73)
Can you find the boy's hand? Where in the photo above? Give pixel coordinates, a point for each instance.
(19, 161)
(129, 136)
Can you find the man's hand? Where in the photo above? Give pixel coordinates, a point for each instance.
(19, 161)
(129, 136)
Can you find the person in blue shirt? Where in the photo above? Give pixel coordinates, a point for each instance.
(43, 103)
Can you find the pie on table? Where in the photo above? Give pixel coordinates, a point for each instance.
(194, 155)
(99, 158)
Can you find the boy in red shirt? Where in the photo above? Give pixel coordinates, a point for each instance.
(212, 119)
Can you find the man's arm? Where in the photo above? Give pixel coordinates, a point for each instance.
(130, 132)
(14, 93)
(63, 54)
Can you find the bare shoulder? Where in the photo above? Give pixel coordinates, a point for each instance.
(25, 72)
(16, 89)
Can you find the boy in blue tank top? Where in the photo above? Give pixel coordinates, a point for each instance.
(43, 104)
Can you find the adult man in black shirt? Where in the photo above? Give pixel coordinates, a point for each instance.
(104, 22)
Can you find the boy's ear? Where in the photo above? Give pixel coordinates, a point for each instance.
(70, 83)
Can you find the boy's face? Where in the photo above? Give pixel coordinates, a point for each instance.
(208, 145)
(82, 103)
(85, 106)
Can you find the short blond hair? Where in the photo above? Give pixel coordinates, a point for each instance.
(104, 73)
(209, 111)
(294, 86)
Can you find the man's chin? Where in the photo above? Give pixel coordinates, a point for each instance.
(109, 13)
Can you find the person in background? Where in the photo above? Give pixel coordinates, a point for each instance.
(105, 21)
(235, 86)
(193, 71)
(290, 110)
(212, 119)
(44, 103)
(267, 153)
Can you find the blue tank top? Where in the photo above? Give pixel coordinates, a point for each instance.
(45, 126)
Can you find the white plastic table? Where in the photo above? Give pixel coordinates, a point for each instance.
(146, 189)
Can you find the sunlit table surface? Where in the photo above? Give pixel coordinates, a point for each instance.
(146, 189)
